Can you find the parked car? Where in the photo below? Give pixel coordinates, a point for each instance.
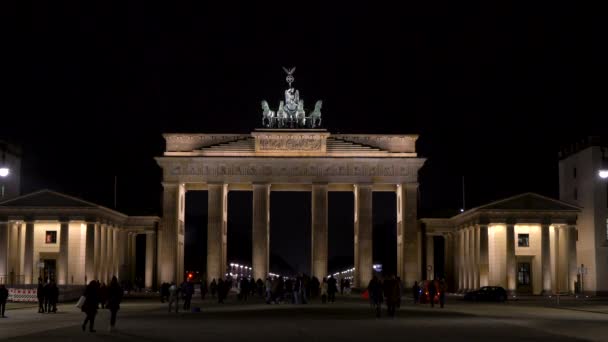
(487, 293)
(424, 292)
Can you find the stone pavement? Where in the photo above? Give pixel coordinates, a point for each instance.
(348, 320)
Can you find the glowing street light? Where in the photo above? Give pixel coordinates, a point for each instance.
(4, 172)
(603, 171)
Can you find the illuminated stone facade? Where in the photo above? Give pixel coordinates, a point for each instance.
(289, 160)
(55, 236)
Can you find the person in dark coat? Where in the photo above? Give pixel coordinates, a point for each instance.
(391, 294)
(213, 287)
(40, 296)
(115, 293)
(374, 289)
(103, 295)
(432, 292)
(244, 285)
(416, 292)
(47, 297)
(53, 297)
(332, 288)
(91, 301)
(187, 292)
(3, 299)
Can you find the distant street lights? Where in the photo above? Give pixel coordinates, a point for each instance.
(4, 172)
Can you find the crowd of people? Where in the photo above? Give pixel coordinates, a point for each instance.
(48, 296)
(97, 294)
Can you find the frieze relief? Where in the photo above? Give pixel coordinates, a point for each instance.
(285, 142)
(191, 142)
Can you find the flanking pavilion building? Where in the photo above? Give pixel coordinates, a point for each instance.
(51, 235)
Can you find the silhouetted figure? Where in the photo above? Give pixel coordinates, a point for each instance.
(173, 297)
(374, 288)
(442, 289)
(432, 292)
(332, 288)
(53, 295)
(164, 292)
(103, 295)
(40, 296)
(203, 289)
(3, 299)
(213, 287)
(416, 292)
(114, 298)
(91, 302)
(391, 294)
(187, 292)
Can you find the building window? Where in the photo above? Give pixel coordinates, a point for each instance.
(523, 240)
(50, 236)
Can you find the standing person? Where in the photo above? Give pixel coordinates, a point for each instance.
(213, 287)
(374, 288)
(203, 289)
(324, 291)
(188, 292)
(40, 296)
(244, 289)
(3, 299)
(416, 292)
(54, 296)
(114, 298)
(442, 289)
(91, 301)
(173, 297)
(432, 292)
(103, 295)
(332, 288)
(391, 294)
(47, 297)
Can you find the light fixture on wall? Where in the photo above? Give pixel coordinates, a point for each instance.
(4, 172)
(603, 171)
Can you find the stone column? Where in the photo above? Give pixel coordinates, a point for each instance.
(89, 252)
(430, 257)
(484, 257)
(545, 259)
(511, 260)
(319, 231)
(150, 256)
(475, 252)
(133, 255)
(123, 254)
(363, 235)
(62, 262)
(116, 252)
(467, 259)
(97, 251)
(216, 230)
(461, 262)
(109, 253)
(449, 261)
(260, 231)
(173, 202)
(103, 258)
(557, 268)
(28, 256)
(13, 252)
(4, 271)
(408, 252)
(571, 257)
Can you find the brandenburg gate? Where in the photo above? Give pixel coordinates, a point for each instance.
(269, 160)
(290, 154)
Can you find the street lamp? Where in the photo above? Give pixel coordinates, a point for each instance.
(4, 172)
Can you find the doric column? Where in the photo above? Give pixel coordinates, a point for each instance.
(13, 263)
(133, 256)
(430, 257)
(408, 242)
(449, 260)
(319, 231)
(461, 261)
(260, 231)
(511, 261)
(557, 268)
(4, 271)
(173, 207)
(62, 262)
(467, 259)
(475, 251)
(89, 252)
(571, 257)
(363, 235)
(97, 251)
(150, 256)
(109, 269)
(123, 255)
(484, 257)
(116, 252)
(103, 259)
(216, 230)
(28, 256)
(545, 258)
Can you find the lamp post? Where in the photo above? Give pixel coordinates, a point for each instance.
(4, 172)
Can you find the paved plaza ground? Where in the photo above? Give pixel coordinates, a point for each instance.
(350, 319)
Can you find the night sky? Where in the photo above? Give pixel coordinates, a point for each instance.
(494, 90)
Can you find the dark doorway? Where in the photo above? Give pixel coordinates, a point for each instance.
(384, 218)
(524, 277)
(195, 244)
(240, 216)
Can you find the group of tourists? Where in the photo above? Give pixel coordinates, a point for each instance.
(434, 290)
(48, 296)
(109, 298)
(385, 290)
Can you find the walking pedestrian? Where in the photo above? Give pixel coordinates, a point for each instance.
(103, 295)
(91, 301)
(391, 294)
(332, 288)
(3, 299)
(416, 292)
(324, 291)
(115, 293)
(432, 292)
(374, 289)
(40, 295)
(173, 297)
(187, 293)
(53, 296)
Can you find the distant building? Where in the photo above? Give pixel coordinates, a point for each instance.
(10, 171)
(580, 184)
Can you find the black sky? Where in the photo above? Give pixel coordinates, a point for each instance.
(494, 89)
